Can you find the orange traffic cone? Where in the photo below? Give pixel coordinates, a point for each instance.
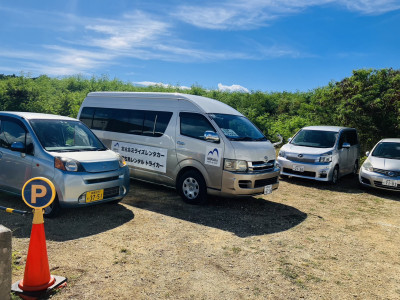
(37, 278)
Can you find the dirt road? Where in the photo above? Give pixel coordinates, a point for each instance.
(307, 240)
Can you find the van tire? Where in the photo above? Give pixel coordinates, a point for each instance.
(192, 188)
(335, 175)
(355, 169)
(53, 210)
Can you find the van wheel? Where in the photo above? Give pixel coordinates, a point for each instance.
(355, 168)
(335, 175)
(53, 209)
(192, 187)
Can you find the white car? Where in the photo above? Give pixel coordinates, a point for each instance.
(382, 167)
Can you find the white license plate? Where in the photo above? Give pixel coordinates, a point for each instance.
(389, 182)
(268, 189)
(298, 168)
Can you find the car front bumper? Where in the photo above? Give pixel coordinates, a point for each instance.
(376, 180)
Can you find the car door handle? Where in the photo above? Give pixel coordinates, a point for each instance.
(180, 143)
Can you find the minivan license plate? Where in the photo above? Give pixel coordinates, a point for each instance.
(94, 195)
(298, 168)
(268, 189)
(389, 182)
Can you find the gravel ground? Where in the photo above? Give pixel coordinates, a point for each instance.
(307, 240)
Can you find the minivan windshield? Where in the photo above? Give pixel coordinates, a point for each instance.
(238, 128)
(65, 136)
(387, 150)
(315, 138)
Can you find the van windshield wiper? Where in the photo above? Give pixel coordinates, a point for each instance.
(244, 138)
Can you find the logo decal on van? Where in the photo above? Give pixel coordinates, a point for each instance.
(213, 156)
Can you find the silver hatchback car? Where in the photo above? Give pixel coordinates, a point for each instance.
(323, 153)
(64, 150)
(381, 169)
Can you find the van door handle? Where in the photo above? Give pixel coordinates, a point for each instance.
(180, 143)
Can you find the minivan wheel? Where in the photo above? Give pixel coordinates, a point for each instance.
(53, 209)
(335, 175)
(192, 187)
(355, 168)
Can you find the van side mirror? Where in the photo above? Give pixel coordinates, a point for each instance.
(211, 136)
(346, 145)
(18, 146)
(280, 140)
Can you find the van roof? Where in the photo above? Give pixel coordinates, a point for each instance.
(326, 128)
(208, 105)
(32, 115)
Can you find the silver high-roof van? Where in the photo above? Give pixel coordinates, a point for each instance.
(63, 150)
(195, 144)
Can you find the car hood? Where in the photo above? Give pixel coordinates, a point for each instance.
(93, 161)
(253, 151)
(384, 163)
(304, 150)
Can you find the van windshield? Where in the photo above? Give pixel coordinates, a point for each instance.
(315, 138)
(66, 136)
(238, 128)
(387, 150)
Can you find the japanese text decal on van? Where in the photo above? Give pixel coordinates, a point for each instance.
(141, 156)
(213, 156)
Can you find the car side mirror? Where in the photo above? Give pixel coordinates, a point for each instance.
(280, 140)
(346, 145)
(289, 140)
(211, 136)
(367, 153)
(18, 146)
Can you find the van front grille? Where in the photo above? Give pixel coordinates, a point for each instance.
(305, 173)
(261, 166)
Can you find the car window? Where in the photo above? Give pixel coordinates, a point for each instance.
(194, 125)
(10, 133)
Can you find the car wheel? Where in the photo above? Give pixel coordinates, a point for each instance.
(192, 187)
(53, 209)
(335, 175)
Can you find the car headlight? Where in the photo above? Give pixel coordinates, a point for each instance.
(235, 165)
(68, 164)
(368, 166)
(282, 153)
(121, 160)
(326, 158)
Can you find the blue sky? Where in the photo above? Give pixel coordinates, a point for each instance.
(247, 45)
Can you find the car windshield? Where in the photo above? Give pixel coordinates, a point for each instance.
(66, 136)
(387, 150)
(238, 128)
(315, 138)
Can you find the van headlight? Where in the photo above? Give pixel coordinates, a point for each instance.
(121, 160)
(235, 165)
(68, 164)
(326, 158)
(368, 166)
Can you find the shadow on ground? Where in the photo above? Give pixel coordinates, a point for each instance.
(244, 217)
(71, 224)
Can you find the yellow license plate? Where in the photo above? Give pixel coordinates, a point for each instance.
(94, 195)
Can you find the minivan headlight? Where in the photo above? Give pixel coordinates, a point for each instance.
(368, 166)
(121, 160)
(235, 165)
(67, 164)
(326, 158)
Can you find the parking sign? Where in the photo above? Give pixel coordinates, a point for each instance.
(38, 192)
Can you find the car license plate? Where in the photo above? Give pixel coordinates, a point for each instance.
(298, 168)
(94, 195)
(389, 182)
(268, 189)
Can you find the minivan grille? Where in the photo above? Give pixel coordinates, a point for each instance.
(260, 166)
(300, 159)
(305, 173)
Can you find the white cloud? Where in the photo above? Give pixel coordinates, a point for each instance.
(150, 83)
(232, 88)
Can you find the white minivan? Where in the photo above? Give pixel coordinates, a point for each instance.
(195, 144)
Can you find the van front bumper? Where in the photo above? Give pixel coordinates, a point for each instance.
(72, 187)
(315, 171)
(248, 184)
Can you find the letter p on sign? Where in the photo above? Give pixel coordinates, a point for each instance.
(36, 194)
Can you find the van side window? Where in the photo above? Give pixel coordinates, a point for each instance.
(352, 137)
(194, 125)
(139, 122)
(10, 133)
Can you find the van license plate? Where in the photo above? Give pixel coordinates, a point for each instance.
(94, 195)
(389, 182)
(298, 168)
(268, 189)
